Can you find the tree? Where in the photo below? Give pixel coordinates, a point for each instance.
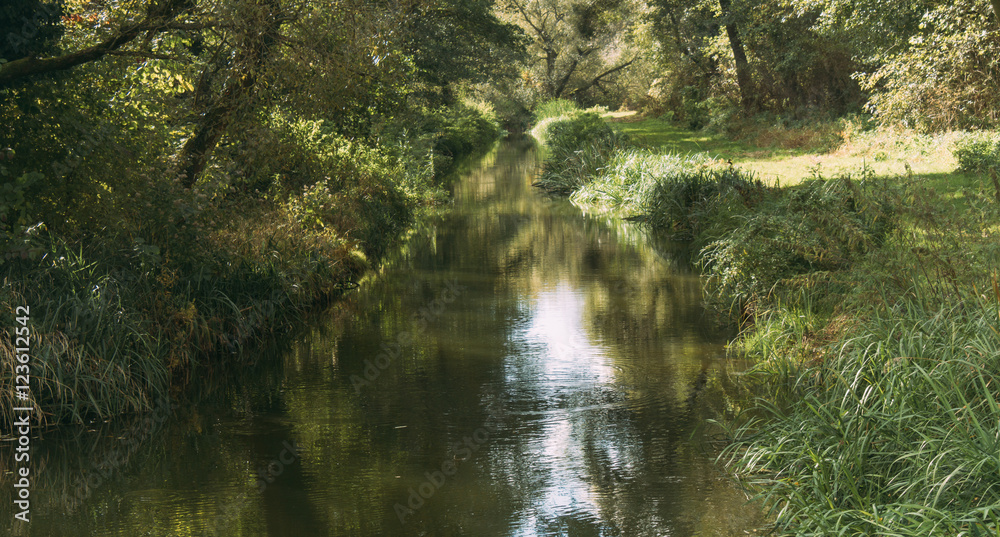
(946, 74)
(453, 41)
(743, 78)
(256, 31)
(28, 28)
(159, 17)
(576, 45)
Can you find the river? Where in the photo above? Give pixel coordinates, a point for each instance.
(516, 369)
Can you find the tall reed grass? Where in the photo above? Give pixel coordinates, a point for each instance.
(897, 434)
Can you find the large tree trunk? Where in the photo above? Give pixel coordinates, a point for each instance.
(237, 91)
(550, 71)
(743, 77)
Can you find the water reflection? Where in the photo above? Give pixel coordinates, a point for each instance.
(559, 392)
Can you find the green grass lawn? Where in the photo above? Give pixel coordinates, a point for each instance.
(886, 153)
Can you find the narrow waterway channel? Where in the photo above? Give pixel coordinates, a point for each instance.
(517, 369)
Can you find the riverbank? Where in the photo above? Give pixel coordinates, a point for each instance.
(178, 281)
(868, 298)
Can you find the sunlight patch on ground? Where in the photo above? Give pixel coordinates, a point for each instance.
(884, 153)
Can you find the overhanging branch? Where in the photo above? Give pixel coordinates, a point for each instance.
(597, 79)
(158, 21)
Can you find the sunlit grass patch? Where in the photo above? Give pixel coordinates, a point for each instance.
(787, 155)
(684, 195)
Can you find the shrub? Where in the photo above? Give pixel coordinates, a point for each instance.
(818, 226)
(463, 128)
(684, 195)
(571, 133)
(946, 78)
(978, 153)
(579, 147)
(577, 154)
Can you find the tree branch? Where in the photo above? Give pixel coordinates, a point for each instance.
(157, 21)
(597, 79)
(141, 54)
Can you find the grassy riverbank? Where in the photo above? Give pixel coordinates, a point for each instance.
(862, 266)
(176, 281)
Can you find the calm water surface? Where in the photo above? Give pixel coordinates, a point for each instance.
(518, 369)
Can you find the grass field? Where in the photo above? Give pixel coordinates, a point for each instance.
(786, 156)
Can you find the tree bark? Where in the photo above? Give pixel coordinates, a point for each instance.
(561, 87)
(550, 71)
(743, 77)
(237, 89)
(996, 9)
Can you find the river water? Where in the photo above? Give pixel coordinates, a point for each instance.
(517, 369)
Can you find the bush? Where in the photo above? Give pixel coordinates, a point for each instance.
(976, 154)
(463, 128)
(946, 77)
(684, 195)
(818, 226)
(570, 134)
(579, 147)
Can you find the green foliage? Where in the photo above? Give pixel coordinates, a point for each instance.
(555, 108)
(799, 66)
(15, 201)
(925, 64)
(452, 41)
(945, 74)
(978, 153)
(511, 101)
(28, 27)
(566, 134)
(312, 155)
(686, 196)
(96, 356)
(896, 434)
(796, 63)
(881, 409)
(461, 129)
(820, 226)
(579, 146)
(699, 202)
(577, 50)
